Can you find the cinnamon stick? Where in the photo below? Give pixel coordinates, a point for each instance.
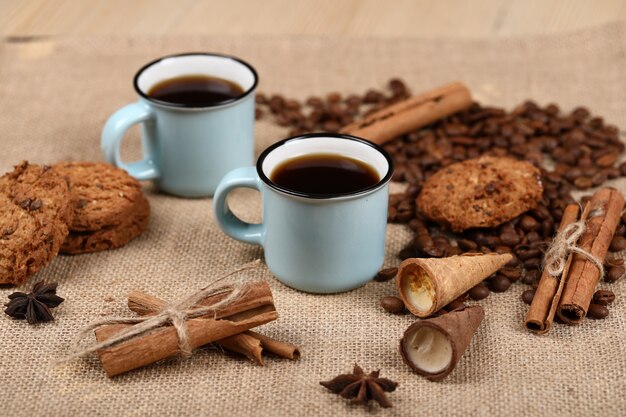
(254, 308)
(548, 294)
(411, 113)
(249, 343)
(244, 344)
(605, 209)
(278, 348)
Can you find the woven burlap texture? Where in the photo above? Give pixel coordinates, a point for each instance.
(54, 99)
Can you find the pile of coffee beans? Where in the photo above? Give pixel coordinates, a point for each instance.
(582, 150)
(329, 113)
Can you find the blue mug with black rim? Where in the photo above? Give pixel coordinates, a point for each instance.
(189, 147)
(320, 243)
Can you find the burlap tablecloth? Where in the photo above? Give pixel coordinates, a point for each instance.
(54, 99)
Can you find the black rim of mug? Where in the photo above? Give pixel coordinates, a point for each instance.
(191, 106)
(269, 182)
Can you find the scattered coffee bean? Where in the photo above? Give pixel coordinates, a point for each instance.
(613, 261)
(499, 283)
(393, 305)
(455, 305)
(513, 274)
(386, 274)
(526, 252)
(510, 238)
(618, 243)
(603, 297)
(527, 296)
(467, 245)
(532, 263)
(614, 273)
(597, 311)
(479, 292)
(528, 223)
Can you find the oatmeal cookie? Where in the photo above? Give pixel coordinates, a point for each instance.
(481, 192)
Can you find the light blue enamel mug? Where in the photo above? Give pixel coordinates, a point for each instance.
(187, 148)
(314, 242)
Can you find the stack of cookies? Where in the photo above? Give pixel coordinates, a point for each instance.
(71, 208)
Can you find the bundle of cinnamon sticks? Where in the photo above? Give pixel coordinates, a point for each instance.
(569, 294)
(229, 327)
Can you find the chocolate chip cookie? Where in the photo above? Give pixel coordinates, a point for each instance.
(109, 207)
(109, 237)
(481, 192)
(35, 213)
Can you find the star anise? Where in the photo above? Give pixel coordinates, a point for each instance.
(362, 387)
(35, 306)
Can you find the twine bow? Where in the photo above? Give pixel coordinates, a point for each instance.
(175, 314)
(564, 243)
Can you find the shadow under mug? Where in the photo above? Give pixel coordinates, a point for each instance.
(314, 243)
(187, 149)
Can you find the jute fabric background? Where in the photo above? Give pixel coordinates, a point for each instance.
(54, 100)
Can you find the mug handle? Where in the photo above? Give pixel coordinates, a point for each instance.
(231, 225)
(114, 131)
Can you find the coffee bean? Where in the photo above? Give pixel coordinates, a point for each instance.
(467, 245)
(527, 296)
(531, 277)
(393, 305)
(597, 311)
(386, 274)
(526, 252)
(615, 273)
(513, 274)
(455, 305)
(532, 263)
(514, 261)
(613, 261)
(583, 183)
(261, 98)
(603, 297)
(607, 160)
(499, 283)
(502, 249)
(479, 292)
(509, 238)
(406, 253)
(541, 212)
(528, 223)
(333, 97)
(373, 96)
(533, 236)
(416, 224)
(618, 243)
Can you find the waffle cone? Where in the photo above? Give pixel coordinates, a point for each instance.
(427, 285)
(458, 328)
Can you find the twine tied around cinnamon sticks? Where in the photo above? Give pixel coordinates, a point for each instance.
(565, 242)
(175, 314)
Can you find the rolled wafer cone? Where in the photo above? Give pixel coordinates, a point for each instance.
(432, 347)
(429, 284)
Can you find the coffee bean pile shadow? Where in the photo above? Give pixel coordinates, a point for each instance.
(581, 151)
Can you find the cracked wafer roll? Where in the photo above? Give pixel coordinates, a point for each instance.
(432, 347)
(426, 285)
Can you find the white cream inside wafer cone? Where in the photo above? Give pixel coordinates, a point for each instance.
(419, 290)
(428, 284)
(429, 350)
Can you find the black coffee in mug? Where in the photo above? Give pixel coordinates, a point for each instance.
(324, 174)
(195, 90)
